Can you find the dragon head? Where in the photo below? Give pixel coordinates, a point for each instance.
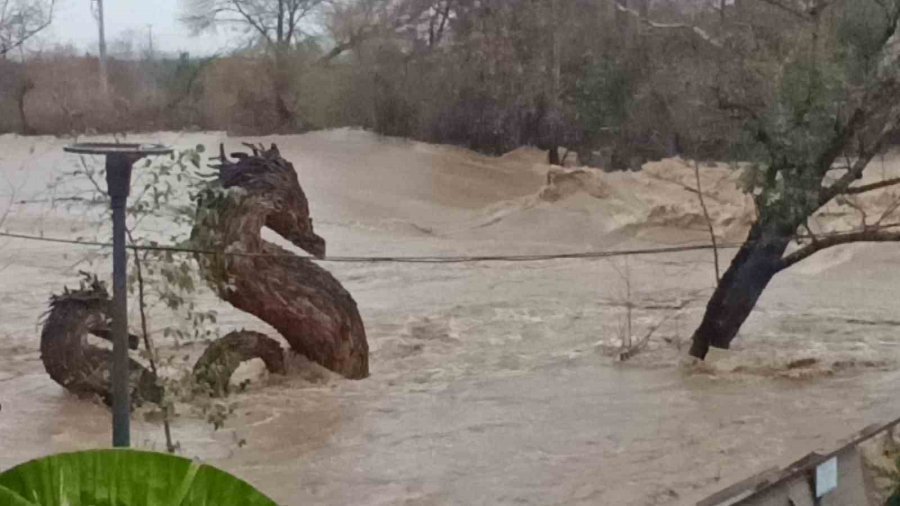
(272, 180)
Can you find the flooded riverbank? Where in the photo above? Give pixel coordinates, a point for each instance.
(492, 382)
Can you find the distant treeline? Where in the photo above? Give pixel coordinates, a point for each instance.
(613, 82)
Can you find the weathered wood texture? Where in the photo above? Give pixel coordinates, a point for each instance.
(77, 365)
(84, 369)
(303, 301)
(223, 356)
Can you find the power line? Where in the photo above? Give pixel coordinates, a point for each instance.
(439, 259)
(396, 259)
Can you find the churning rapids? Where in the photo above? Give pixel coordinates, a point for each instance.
(492, 383)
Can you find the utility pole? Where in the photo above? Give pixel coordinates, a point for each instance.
(104, 81)
(150, 41)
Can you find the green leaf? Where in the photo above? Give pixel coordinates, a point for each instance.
(123, 478)
(10, 498)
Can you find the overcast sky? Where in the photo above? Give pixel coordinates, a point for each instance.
(74, 23)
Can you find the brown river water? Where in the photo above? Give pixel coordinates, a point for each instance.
(492, 383)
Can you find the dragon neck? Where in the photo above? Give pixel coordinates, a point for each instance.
(230, 221)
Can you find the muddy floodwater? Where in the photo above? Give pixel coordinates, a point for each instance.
(492, 383)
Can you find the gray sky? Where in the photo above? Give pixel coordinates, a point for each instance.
(75, 24)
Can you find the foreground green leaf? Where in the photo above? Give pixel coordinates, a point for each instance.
(123, 478)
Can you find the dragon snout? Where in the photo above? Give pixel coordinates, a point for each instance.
(304, 237)
(310, 241)
(313, 244)
(299, 231)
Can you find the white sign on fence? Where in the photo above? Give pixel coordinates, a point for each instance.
(826, 476)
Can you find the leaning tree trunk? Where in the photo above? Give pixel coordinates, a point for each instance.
(757, 262)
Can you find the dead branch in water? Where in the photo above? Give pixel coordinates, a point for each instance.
(638, 346)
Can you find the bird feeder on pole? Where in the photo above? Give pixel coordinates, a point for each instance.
(120, 159)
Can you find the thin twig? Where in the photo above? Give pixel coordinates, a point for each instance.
(151, 351)
(628, 304)
(632, 351)
(9, 205)
(891, 209)
(709, 223)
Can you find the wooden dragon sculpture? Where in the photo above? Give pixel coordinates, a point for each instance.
(302, 301)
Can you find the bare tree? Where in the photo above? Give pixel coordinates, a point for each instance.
(20, 20)
(424, 23)
(276, 24)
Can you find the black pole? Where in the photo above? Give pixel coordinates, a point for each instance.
(118, 180)
(119, 161)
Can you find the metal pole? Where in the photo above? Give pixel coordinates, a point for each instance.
(118, 180)
(119, 161)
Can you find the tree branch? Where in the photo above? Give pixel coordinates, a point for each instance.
(709, 222)
(696, 30)
(881, 96)
(279, 23)
(870, 235)
(340, 49)
(298, 14)
(891, 209)
(251, 21)
(726, 104)
(866, 154)
(856, 190)
(435, 29)
(800, 13)
(292, 22)
(26, 33)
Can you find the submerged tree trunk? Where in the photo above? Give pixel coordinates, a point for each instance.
(282, 111)
(751, 270)
(553, 156)
(280, 91)
(27, 85)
